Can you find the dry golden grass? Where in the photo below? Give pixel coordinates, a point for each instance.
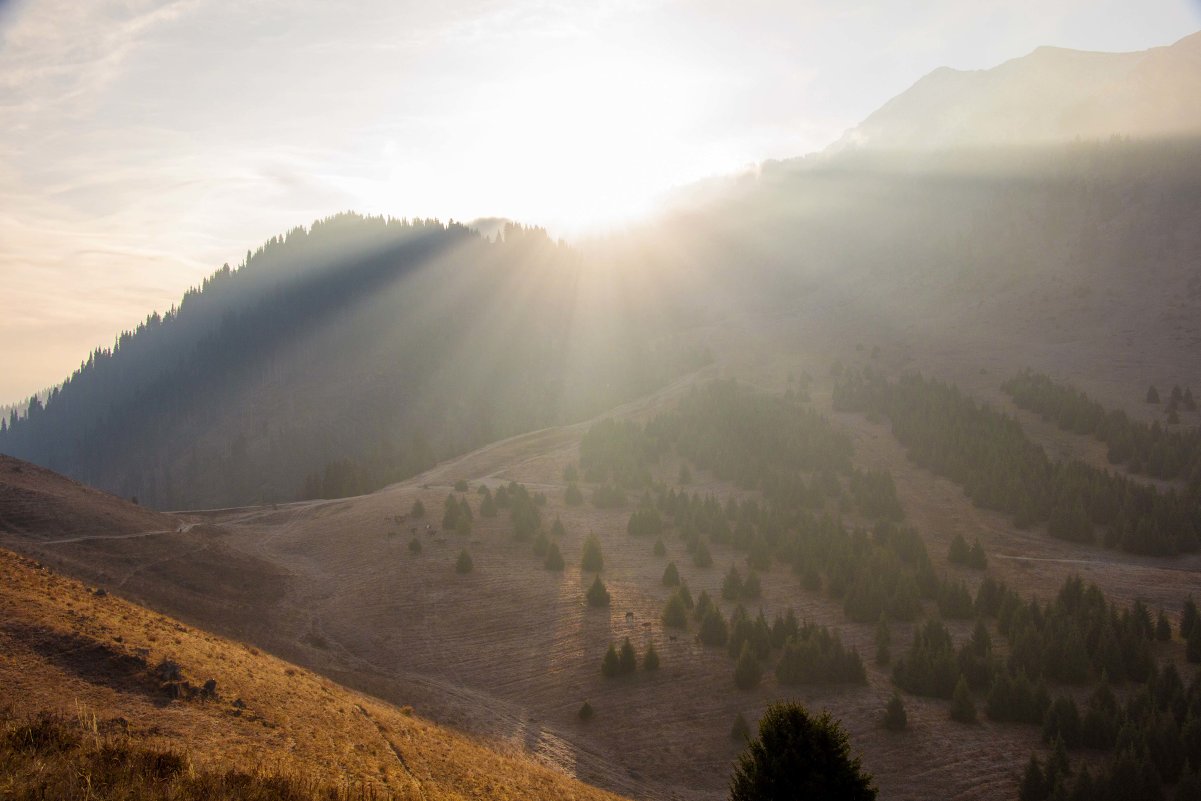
(94, 660)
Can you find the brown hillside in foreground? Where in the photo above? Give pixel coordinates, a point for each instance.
(88, 655)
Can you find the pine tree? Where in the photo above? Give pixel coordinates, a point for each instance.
(597, 594)
(713, 629)
(703, 604)
(1034, 782)
(554, 559)
(592, 560)
(976, 559)
(685, 595)
(586, 712)
(1163, 629)
(883, 642)
(1188, 617)
(671, 575)
(747, 672)
(731, 586)
(958, 553)
(799, 756)
(895, 718)
(650, 660)
(488, 506)
(627, 659)
(611, 664)
(1192, 650)
(963, 708)
(675, 616)
(463, 564)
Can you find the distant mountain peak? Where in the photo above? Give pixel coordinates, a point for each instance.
(1052, 94)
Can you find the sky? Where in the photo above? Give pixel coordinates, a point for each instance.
(143, 143)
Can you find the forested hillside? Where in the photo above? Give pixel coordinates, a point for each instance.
(350, 354)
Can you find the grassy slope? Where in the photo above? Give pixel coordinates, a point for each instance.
(93, 657)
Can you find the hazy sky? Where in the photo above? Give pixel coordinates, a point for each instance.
(144, 143)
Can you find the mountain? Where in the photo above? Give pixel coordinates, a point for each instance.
(339, 358)
(359, 351)
(1051, 95)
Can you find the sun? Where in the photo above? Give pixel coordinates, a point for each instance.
(578, 139)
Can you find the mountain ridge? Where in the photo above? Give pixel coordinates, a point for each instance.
(1051, 94)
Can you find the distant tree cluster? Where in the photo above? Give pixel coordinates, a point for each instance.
(960, 554)
(1148, 449)
(624, 661)
(989, 455)
(619, 453)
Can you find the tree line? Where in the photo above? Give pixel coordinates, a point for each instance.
(999, 467)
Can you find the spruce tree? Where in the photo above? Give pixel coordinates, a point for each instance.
(883, 642)
(751, 588)
(701, 556)
(573, 496)
(1163, 629)
(1188, 617)
(976, 558)
(611, 664)
(798, 756)
(963, 708)
(586, 712)
(958, 553)
(895, 718)
(740, 732)
(675, 616)
(463, 564)
(418, 509)
(747, 672)
(1192, 649)
(650, 660)
(713, 630)
(557, 529)
(488, 506)
(685, 595)
(592, 560)
(671, 575)
(627, 659)
(731, 585)
(554, 559)
(597, 594)
(1034, 782)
